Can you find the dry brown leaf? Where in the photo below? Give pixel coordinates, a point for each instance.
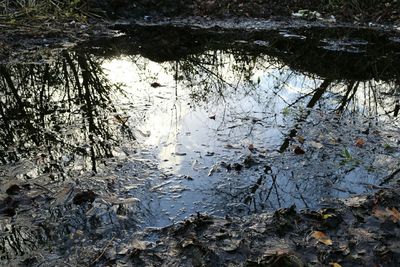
(360, 142)
(251, 147)
(335, 264)
(387, 213)
(300, 139)
(298, 150)
(394, 214)
(322, 237)
(379, 213)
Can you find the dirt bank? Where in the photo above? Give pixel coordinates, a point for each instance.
(351, 11)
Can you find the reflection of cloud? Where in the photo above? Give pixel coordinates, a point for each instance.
(253, 103)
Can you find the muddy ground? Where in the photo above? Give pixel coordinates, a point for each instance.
(22, 34)
(358, 231)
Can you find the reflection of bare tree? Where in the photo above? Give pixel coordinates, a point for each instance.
(314, 99)
(63, 109)
(216, 80)
(210, 74)
(60, 117)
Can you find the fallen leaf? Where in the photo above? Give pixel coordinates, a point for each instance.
(251, 147)
(360, 142)
(213, 169)
(327, 216)
(120, 119)
(322, 237)
(212, 117)
(379, 213)
(387, 213)
(300, 139)
(316, 145)
(298, 150)
(394, 215)
(335, 264)
(85, 196)
(155, 85)
(139, 245)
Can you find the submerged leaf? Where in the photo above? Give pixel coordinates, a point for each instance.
(298, 150)
(387, 213)
(316, 145)
(395, 215)
(322, 237)
(300, 138)
(360, 142)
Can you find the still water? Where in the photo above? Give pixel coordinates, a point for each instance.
(163, 126)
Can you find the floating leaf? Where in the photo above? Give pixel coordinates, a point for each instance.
(360, 142)
(298, 150)
(395, 215)
(251, 147)
(322, 237)
(316, 145)
(155, 85)
(300, 139)
(387, 213)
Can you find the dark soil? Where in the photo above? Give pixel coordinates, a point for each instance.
(24, 35)
(353, 11)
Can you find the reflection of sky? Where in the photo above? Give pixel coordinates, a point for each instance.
(243, 115)
(175, 126)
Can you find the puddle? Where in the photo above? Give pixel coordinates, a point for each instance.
(203, 127)
(164, 124)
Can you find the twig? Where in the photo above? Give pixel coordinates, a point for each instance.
(41, 186)
(104, 250)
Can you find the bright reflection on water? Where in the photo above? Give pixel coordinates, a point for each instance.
(199, 114)
(203, 118)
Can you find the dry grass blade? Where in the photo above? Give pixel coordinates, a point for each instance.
(33, 8)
